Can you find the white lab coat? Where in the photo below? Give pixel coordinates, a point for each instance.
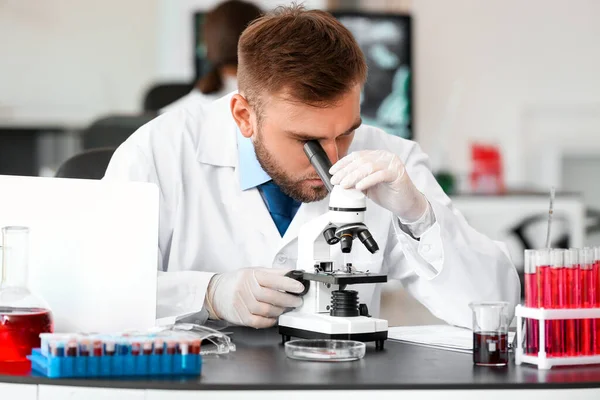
(209, 225)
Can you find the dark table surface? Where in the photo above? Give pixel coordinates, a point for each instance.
(260, 363)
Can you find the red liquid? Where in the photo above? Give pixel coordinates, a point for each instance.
(97, 349)
(596, 274)
(573, 301)
(531, 298)
(195, 347)
(544, 275)
(558, 301)
(588, 298)
(19, 331)
(490, 348)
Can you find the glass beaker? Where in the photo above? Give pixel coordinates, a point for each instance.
(23, 316)
(490, 333)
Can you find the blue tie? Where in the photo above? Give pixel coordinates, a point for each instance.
(281, 206)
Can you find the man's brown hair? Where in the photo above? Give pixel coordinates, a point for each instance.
(309, 54)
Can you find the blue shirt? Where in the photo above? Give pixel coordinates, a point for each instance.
(251, 173)
(281, 207)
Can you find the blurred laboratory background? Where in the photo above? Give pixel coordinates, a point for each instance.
(504, 95)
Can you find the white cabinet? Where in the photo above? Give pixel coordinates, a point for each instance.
(18, 391)
(49, 392)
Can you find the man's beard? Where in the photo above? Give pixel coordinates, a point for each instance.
(291, 187)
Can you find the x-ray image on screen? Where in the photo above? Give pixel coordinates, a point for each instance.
(385, 40)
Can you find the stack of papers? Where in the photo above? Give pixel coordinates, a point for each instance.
(444, 337)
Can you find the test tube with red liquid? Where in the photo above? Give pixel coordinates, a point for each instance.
(531, 299)
(596, 279)
(588, 299)
(558, 300)
(544, 279)
(573, 298)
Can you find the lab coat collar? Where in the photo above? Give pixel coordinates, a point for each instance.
(216, 133)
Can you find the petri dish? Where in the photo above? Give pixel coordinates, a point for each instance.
(328, 350)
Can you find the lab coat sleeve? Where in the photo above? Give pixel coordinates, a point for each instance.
(180, 294)
(450, 264)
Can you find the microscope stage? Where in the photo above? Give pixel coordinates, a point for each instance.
(345, 279)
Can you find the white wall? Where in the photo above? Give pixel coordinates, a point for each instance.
(516, 65)
(71, 60)
(512, 59)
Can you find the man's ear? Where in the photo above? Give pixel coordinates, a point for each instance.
(242, 114)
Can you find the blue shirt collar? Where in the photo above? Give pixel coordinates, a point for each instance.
(251, 173)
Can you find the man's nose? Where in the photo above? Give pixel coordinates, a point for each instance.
(331, 150)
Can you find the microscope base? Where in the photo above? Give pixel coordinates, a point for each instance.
(317, 326)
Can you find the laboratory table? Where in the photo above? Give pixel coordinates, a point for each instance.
(260, 369)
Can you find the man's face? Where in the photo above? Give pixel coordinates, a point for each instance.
(285, 126)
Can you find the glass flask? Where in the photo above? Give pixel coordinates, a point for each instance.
(23, 315)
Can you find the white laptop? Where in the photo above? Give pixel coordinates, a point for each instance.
(93, 249)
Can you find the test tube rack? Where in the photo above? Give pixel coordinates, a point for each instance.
(115, 366)
(542, 360)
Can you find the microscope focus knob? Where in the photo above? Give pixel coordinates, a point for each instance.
(299, 276)
(363, 310)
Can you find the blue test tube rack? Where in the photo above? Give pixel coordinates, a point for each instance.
(118, 365)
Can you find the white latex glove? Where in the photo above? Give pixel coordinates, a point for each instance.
(382, 177)
(252, 296)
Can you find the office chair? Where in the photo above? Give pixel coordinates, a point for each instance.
(162, 94)
(113, 130)
(90, 164)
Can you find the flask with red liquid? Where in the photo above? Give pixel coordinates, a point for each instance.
(23, 315)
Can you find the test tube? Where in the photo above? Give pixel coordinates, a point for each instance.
(195, 346)
(147, 348)
(97, 346)
(183, 349)
(558, 300)
(588, 298)
(84, 348)
(573, 298)
(596, 275)
(531, 298)
(71, 348)
(109, 348)
(544, 278)
(159, 347)
(135, 348)
(171, 347)
(57, 349)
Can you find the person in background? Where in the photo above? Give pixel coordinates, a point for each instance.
(222, 28)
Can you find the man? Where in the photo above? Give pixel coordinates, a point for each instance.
(235, 187)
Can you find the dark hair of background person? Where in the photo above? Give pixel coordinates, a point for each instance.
(223, 27)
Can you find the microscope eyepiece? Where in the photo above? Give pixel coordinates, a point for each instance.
(319, 160)
(368, 240)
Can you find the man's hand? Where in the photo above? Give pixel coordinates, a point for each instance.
(252, 296)
(383, 178)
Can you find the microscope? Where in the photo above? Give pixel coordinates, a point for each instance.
(330, 310)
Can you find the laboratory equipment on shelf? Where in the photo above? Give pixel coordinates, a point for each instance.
(560, 321)
(490, 333)
(23, 315)
(331, 310)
